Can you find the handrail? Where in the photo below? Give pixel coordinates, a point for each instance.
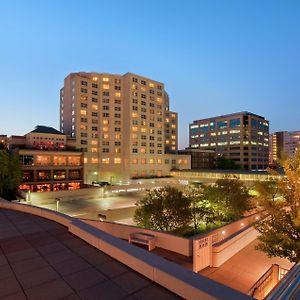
(288, 286)
(261, 280)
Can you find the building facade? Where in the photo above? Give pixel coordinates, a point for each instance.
(47, 162)
(200, 159)
(242, 137)
(283, 144)
(122, 123)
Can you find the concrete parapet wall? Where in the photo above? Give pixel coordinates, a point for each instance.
(169, 275)
(163, 240)
(223, 251)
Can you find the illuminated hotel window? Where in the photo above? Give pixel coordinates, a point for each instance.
(134, 161)
(59, 160)
(117, 136)
(94, 142)
(159, 161)
(44, 175)
(105, 136)
(105, 160)
(159, 100)
(134, 115)
(74, 160)
(95, 107)
(151, 161)
(117, 94)
(117, 160)
(95, 78)
(94, 160)
(83, 112)
(105, 86)
(105, 129)
(143, 161)
(85, 160)
(134, 128)
(143, 150)
(43, 160)
(151, 84)
(94, 150)
(105, 79)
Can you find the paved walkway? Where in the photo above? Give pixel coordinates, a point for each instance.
(244, 269)
(40, 259)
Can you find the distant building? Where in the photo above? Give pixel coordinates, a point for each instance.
(47, 162)
(123, 125)
(4, 140)
(242, 137)
(200, 159)
(283, 144)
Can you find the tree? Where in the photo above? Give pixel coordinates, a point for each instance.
(201, 209)
(10, 174)
(280, 230)
(163, 209)
(229, 197)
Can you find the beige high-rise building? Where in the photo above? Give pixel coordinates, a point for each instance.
(123, 125)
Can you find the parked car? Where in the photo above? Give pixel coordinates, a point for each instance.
(101, 183)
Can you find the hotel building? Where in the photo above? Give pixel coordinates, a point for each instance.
(123, 125)
(242, 137)
(283, 144)
(47, 162)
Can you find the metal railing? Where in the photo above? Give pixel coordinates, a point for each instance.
(267, 282)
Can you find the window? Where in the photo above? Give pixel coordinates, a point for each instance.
(83, 142)
(143, 82)
(94, 92)
(134, 150)
(117, 101)
(105, 150)
(105, 94)
(94, 114)
(94, 128)
(105, 79)
(105, 86)
(84, 120)
(117, 160)
(105, 107)
(83, 105)
(94, 85)
(234, 123)
(105, 115)
(94, 100)
(117, 108)
(84, 83)
(83, 90)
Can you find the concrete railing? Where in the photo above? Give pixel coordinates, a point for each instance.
(224, 250)
(169, 275)
(163, 240)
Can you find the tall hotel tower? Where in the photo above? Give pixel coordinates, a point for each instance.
(123, 125)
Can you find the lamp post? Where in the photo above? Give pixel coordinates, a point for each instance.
(57, 203)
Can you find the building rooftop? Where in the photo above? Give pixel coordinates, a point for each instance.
(45, 129)
(247, 113)
(40, 259)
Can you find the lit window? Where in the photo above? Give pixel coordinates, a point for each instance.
(94, 150)
(95, 78)
(105, 160)
(83, 112)
(94, 142)
(105, 129)
(105, 79)
(151, 84)
(151, 161)
(143, 161)
(94, 160)
(117, 160)
(105, 86)
(117, 136)
(117, 94)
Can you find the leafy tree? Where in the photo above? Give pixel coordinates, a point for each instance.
(267, 190)
(201, 209)
(163, 209)
(229, 197)
(10, 174)
(280, 230)
(223, 163)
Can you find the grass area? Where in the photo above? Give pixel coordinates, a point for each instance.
(190, 231)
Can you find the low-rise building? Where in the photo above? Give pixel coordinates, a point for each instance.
(47, 162)
(200, 159)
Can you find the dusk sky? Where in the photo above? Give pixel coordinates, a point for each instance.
(215, 57)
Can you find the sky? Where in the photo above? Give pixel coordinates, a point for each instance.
(215, 57)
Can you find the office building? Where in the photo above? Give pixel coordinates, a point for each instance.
(242, 137)
(283, 144)
(123, 125)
